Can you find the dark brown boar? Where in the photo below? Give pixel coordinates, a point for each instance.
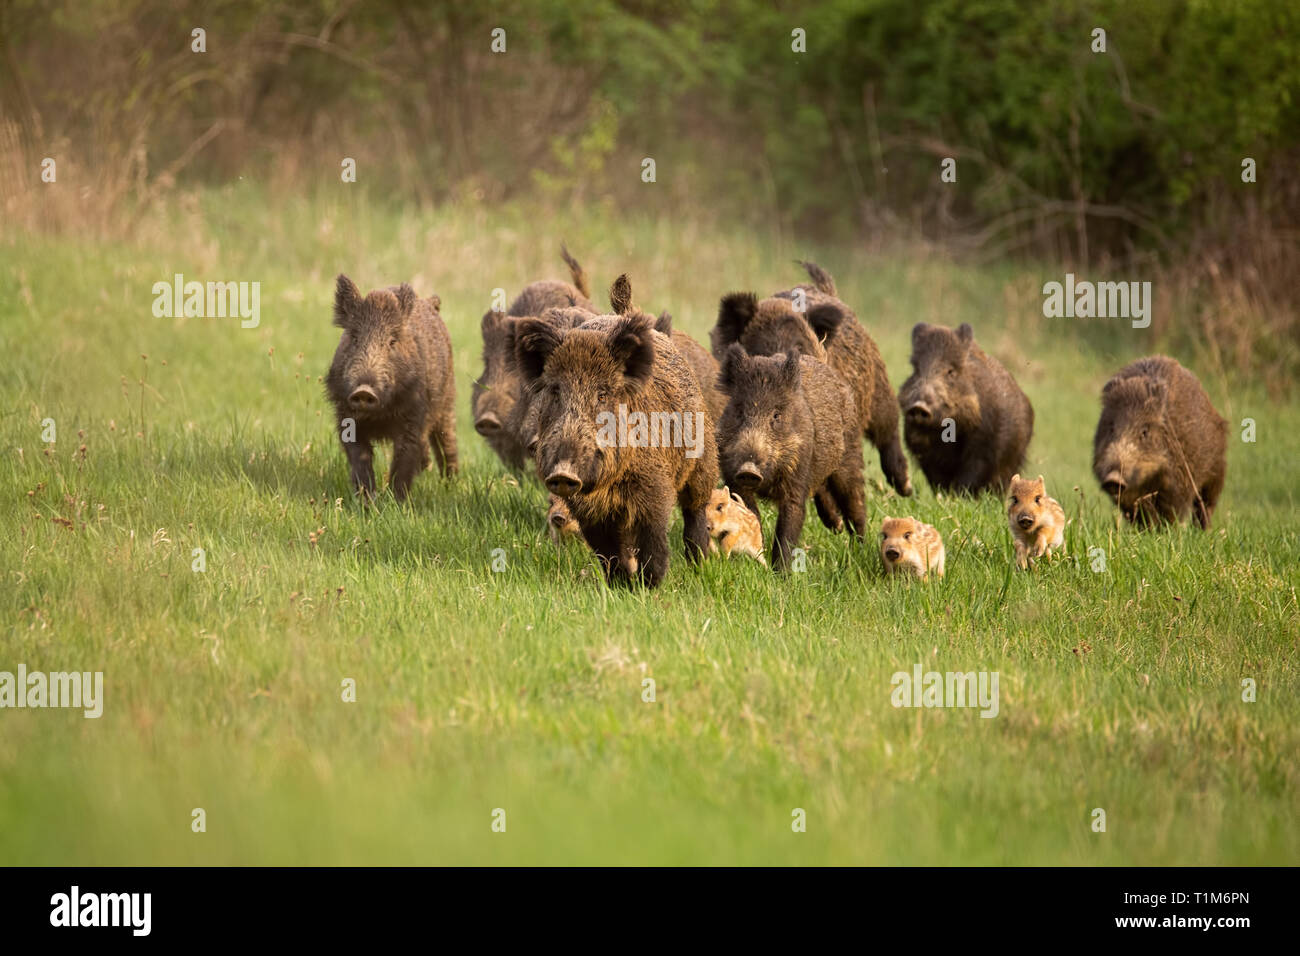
(621, 496)
(965, 419)
(785, 435)
(826, 329)
(1160, 446)
(392, 379)
(498, 389)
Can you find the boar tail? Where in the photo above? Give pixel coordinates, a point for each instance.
(821, 279)
(575, 270)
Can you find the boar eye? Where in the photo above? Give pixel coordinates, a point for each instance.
(553, 388)
(952, 373)
(1145, 431)
(392, 342)
(602, 394)
(776, 416)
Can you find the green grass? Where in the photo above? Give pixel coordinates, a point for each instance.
(523, 689)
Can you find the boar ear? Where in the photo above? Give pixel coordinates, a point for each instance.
(965, 334)
(1157, 393)
(632, 345)
(730, 368)
(405, 298)
(825, 320)
(734, 313)
(535, 340)
(790, 368)
(620, 295)
(918, 330)
(347, 301)
(664, 323)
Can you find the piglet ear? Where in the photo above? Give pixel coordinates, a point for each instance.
(347, 301)
(535, 340)
(620, 295)
(965, 334)
(735, 312)
(1041, 482)
(737, 499)
(405, 298)
(632, 343)
(1015, 478)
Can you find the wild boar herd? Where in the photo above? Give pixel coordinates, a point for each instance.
(622, 416)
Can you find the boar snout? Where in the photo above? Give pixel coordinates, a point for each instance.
(487, 424)
(919, 412)
(747, 476)
(363, 398)
(563, 481)
(893, 554)
(1114, 484)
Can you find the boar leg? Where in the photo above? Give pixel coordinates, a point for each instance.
(410, 457)
(361, 462)
(443, 439)
(1208, 500)
(847, 490)
(789, 525)
(693, 500)
(827, 511)
(651, 535)
(604, 539)
(894, 464)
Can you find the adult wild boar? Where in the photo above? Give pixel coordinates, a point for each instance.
(965, 418)
(391, 379)
(1160, 446)
(497, 391)
(785, 435)
(825, 329)
(620, 486)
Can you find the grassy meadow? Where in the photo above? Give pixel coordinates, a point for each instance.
(521, 689)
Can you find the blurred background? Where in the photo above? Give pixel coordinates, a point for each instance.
(1127, 163)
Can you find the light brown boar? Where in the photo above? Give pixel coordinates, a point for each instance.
(908, 545)
(734, 528)
(1037, 520)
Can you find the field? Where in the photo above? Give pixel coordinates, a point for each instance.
(521, 689)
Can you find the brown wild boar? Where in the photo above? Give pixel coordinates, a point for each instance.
(620, 486)
(826, 329)
(1160, 446)
(391, 380)
(785, 435)
(966, 420)
(1037, 521)
(497, 390)
(733, 526)
(910, 545)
